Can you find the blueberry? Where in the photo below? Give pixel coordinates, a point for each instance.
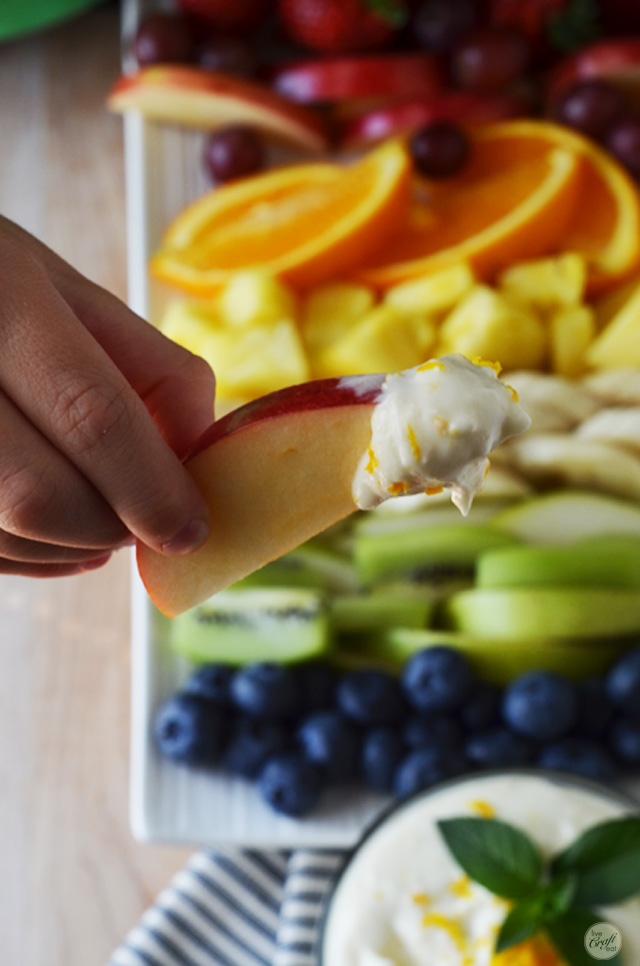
(424, 767)
(540, 705)
(290, 784)
(624, 741)
(211, 681)
(594, 709)
(437, 680)
(189, 729)
(316, 681)
(497, 747)
(252, 742)
(482, 709)
(383, 749)
(441, 730)
(328, 740)
(579, 756)
(370, 697)
(265, 690)
(622, 683)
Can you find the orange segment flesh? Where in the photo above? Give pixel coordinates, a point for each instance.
(304, 223)
(515, 197)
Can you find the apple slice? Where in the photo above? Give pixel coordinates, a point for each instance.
(286, 466)
(274, 473)
(495, 661)
(548, 612)
(194, 97)
(403, 117)
(616, 61)
(344, 78)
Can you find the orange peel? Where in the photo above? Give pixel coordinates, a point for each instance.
(304, 223)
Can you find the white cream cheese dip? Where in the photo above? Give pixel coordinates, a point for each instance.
(402, 899)
(434, 426)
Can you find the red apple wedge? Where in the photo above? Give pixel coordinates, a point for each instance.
(194, 97)
(616, 61)
(404, 117)
(325, 80)
(274, 473)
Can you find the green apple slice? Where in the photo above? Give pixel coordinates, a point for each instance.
(611, 561)
(235, 626)
(552, 612)
(564, 516)
(424, 551)
(309, 565)
(495, 661)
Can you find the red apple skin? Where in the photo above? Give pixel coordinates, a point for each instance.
(274, 473)
(616, 61)
(345, 78)
(196, 97)
(318, 394)
(404, 118)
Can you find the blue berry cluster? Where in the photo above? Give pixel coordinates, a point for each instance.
(295, 730)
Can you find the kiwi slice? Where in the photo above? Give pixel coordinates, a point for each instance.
(269, 624)
(396, 607)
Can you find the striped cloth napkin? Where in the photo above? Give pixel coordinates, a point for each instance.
(236, 908)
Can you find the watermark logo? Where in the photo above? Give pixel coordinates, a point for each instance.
(603, 940)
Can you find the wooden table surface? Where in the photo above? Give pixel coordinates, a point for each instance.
(72, 880)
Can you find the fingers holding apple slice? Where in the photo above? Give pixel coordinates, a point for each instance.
(286, 466)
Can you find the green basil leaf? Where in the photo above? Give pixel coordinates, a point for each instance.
(519, 925)
(606, 859)
(612, 883)
(498, 856)
(599, 845)
(567, 933)
(530, 915)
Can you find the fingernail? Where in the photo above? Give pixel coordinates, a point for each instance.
(189, 538)
(96, 562)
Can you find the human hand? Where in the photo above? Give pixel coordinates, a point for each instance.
(94, 406)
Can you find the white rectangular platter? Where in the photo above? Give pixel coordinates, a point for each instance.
(170, 803)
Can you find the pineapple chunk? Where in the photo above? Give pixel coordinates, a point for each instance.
(547, 282)
(619, 342)
(330, 310)
(610, 304)
(490, 324)
(432, 293)
(191, 324)
(251, 361)
(571, 331)
(256, 297)
(248, 361)
(384, 340)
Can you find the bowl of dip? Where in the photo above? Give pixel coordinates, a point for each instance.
(401, 899)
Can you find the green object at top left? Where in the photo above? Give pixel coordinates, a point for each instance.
(18, 17)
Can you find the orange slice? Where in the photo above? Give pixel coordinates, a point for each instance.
(514, 198)
(305, 223)
(605, 225)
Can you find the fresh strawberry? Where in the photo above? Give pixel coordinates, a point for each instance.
(558, 24)
(234, 15)
(342, 25)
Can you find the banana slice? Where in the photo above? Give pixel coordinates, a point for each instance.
(554, 403)
(553, 459)
(614, 387)
(619, 426)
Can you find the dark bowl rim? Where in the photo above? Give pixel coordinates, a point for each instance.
(396, 807)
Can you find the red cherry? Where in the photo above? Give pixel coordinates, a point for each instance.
(234, 152)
